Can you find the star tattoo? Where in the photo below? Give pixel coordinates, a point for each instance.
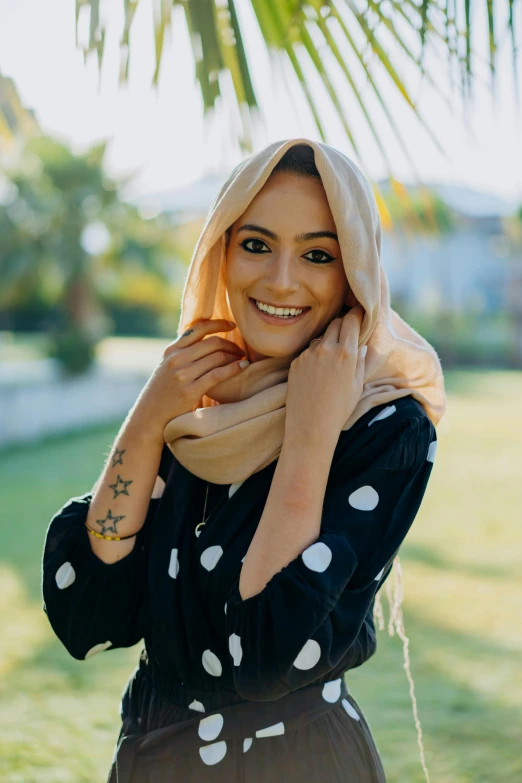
(119, 482)
(109, 518)
(117, 457)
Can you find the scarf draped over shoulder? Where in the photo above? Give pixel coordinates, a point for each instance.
(239, 429)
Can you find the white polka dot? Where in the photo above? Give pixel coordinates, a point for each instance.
(210, 727)
(247, 744)
(158, 488)
(272, 731)
(234, 645)
(98, 648)
(196, 705)
(383, 414)
(225, 607)
(332, 690)
(65, 576)
(211, 663)
(243, 559)
(174, 564)
(213, 754)
(364, 499)
(210, 557)
(381, 572)
(309, 655)
(350, 710)
(317, 557)
(234, 487)
(432, 451)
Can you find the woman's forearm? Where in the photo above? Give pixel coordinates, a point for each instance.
(122, 494)
(291, 519)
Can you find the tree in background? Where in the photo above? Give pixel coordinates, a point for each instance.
(64, 229)
(17, 122)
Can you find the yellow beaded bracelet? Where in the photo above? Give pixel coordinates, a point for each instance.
(108, 538)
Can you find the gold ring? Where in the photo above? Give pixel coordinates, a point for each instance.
(316, 339)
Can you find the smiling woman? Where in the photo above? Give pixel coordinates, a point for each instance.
(289, 486)
(283, 256)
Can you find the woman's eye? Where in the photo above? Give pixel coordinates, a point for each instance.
(326, 257)
(250, 250)
(318, 260)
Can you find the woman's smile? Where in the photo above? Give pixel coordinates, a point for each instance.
(278, 320)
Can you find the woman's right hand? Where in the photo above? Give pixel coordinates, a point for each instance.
(190, 367)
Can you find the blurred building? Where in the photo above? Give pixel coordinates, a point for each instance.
(183, 204)
(468, 269)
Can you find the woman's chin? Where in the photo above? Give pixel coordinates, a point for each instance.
(256, 353)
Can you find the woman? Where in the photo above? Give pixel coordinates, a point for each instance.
(247, 515)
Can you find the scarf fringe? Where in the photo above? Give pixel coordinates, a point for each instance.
(395, 595)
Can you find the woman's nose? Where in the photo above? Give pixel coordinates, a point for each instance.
(281, 276)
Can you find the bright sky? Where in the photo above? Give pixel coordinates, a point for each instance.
(160, 138)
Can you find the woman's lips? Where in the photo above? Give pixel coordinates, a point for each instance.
(274, 319)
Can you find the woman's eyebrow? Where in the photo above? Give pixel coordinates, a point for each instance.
(299, 238)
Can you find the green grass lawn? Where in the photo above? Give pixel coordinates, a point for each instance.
(59, 717)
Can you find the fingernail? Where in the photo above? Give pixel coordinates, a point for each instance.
(232, 323)
(244, 363)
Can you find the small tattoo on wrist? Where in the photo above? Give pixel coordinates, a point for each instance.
(189, 331)
(120, 487)
(117, 457)
(108, 525)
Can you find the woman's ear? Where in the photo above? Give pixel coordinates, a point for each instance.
(351, 299)
(349, 302)
(344, 309)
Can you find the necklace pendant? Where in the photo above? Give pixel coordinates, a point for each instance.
(197, 531)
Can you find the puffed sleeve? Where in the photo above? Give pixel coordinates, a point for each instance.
(306, 620)
(93, 606)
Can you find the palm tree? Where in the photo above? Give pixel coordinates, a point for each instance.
(17, 122)
(57, 199)
(53, 192)
(360, 38)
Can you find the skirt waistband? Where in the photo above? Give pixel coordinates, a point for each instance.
(182, 694)
(209, 733)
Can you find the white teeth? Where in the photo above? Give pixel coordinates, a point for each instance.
(282, 312)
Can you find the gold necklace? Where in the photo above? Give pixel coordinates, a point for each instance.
(204, 522)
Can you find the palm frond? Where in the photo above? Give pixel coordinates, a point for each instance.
(290, 30)
(511, 28)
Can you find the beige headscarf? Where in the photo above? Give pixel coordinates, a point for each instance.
(240, 430)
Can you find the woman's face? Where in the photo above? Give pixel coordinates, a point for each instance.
(271, 260)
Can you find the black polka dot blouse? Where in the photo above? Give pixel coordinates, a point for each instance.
(178, 590)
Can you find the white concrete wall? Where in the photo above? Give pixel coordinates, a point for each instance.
(36, 401)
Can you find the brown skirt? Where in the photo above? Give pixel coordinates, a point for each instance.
(316, 734)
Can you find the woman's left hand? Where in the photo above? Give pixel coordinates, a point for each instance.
(326, 380)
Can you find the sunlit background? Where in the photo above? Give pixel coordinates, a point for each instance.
(110, 157)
